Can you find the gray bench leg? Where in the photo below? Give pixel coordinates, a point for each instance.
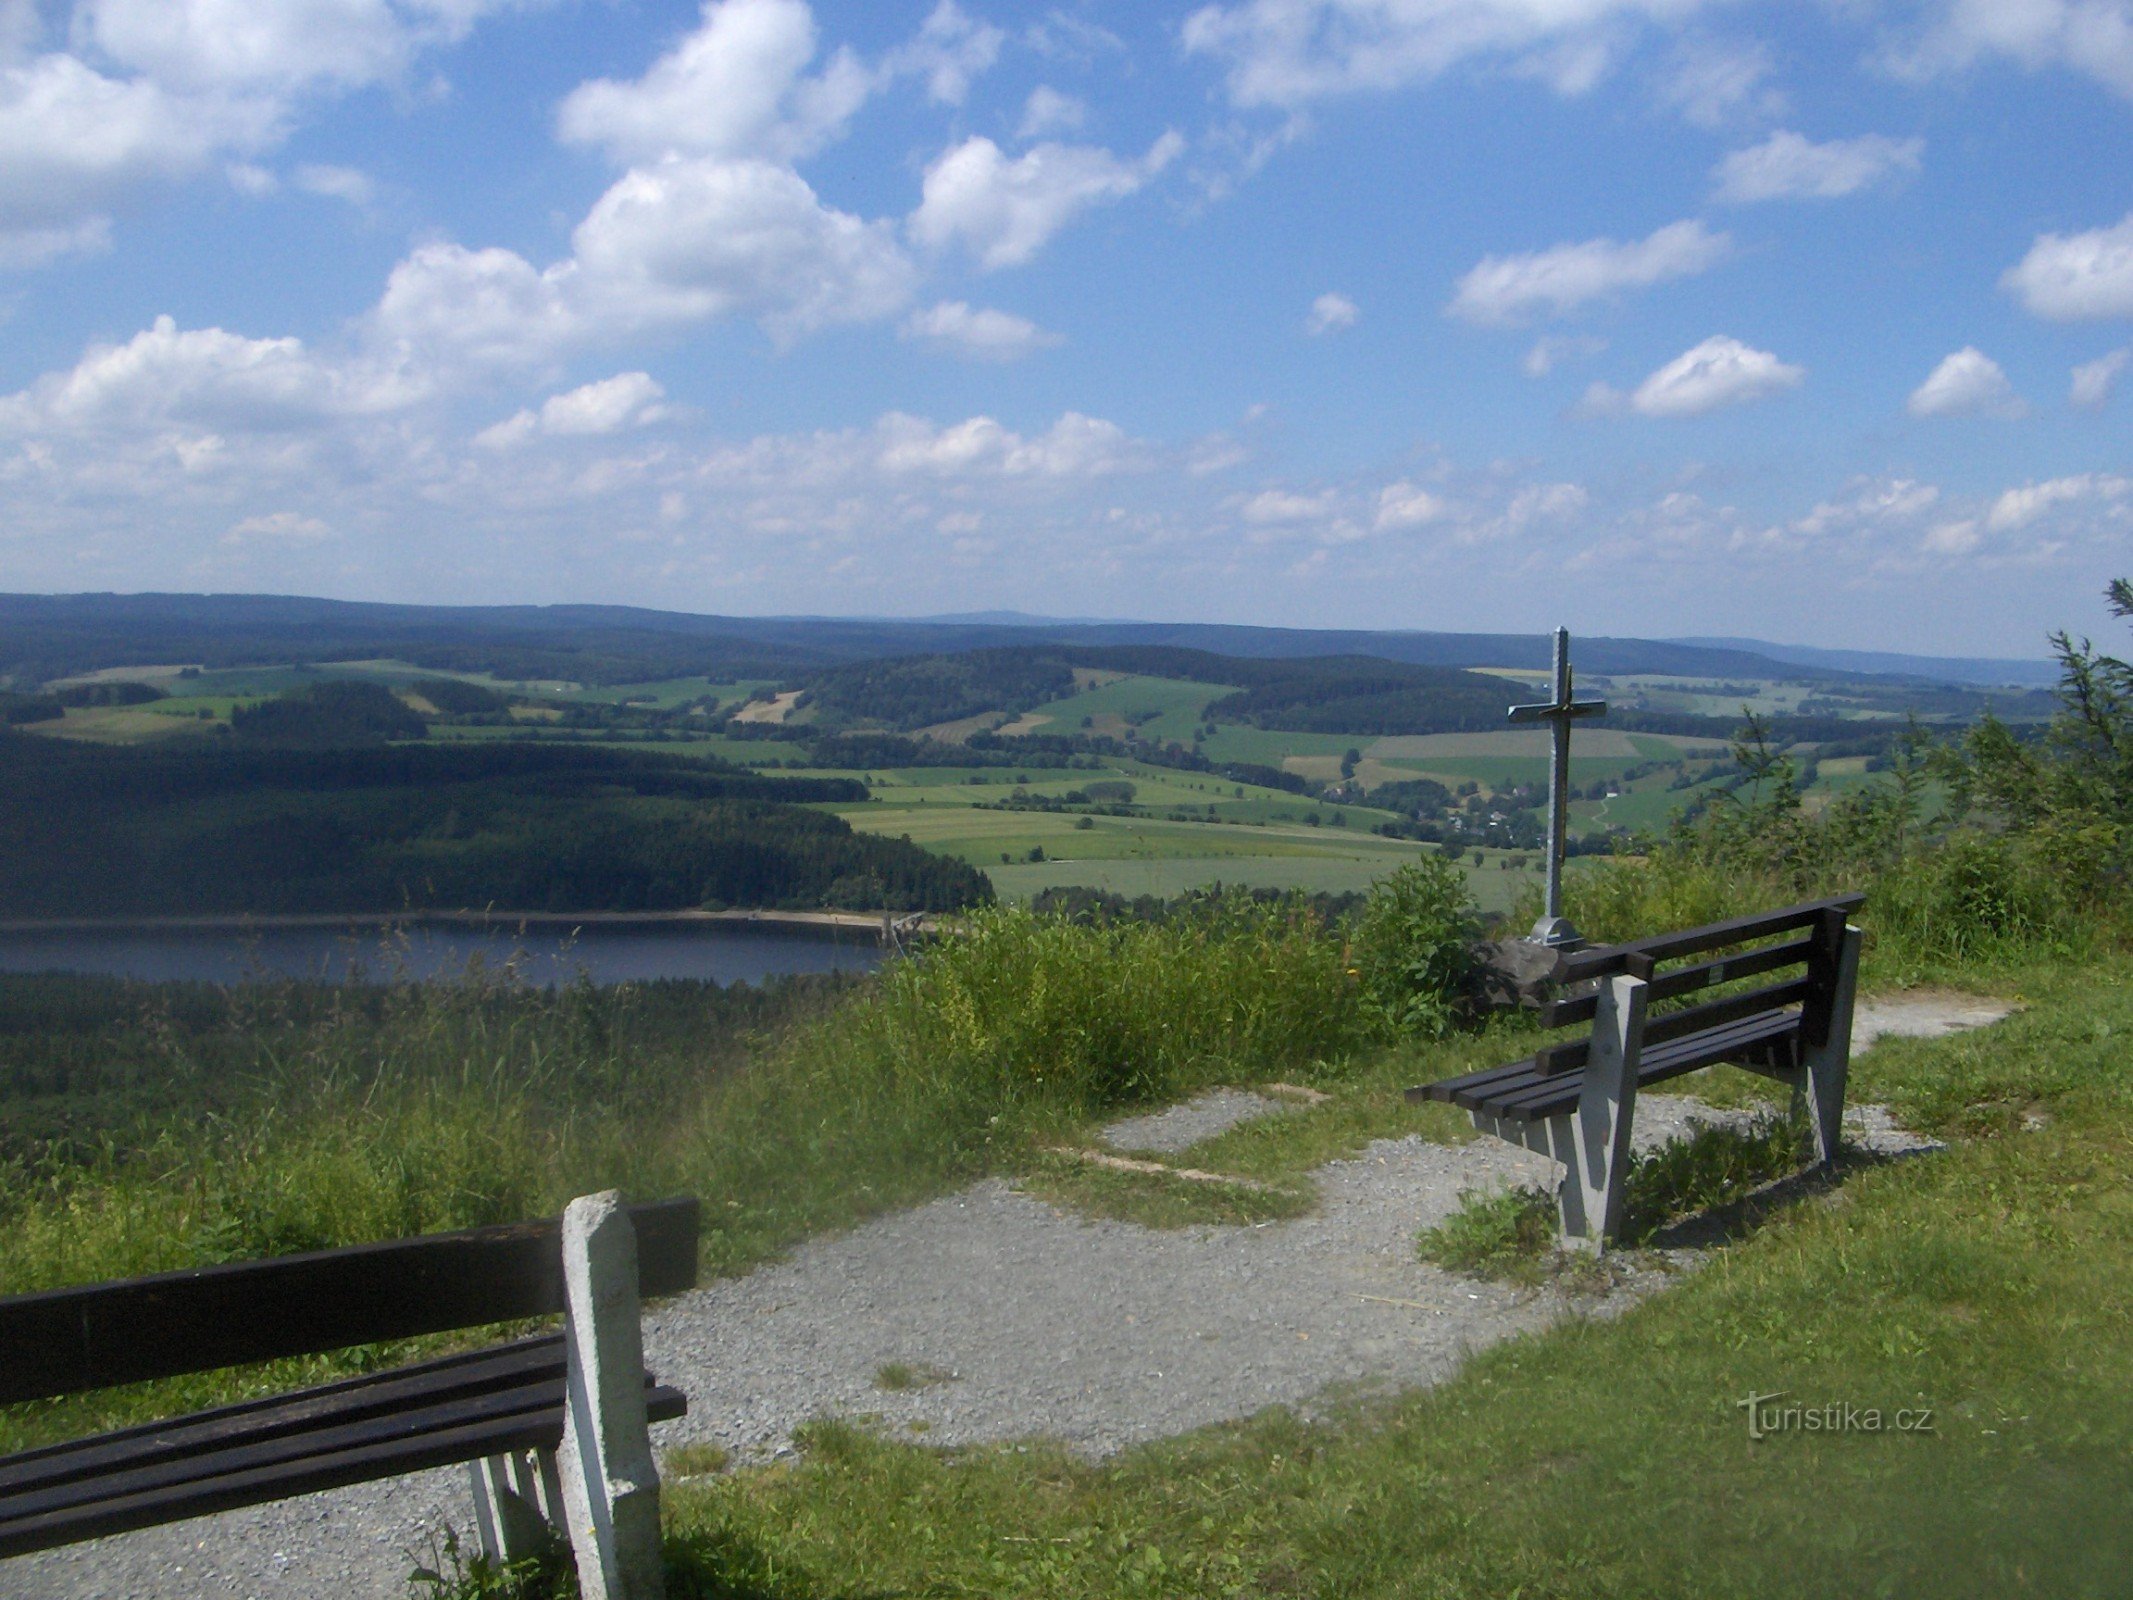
(1593, 1143)
(1829, 1063)
(518, 1503)
(610, 1484)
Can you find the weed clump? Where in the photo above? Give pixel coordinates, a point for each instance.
(1495, 1233)
(1510, 1234)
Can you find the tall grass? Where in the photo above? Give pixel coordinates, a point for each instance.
(434, 1106)
(1932, 909)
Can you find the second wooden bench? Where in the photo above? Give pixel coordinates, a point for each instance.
(1576, 1100)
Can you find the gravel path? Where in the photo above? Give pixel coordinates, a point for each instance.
(1019, 1318)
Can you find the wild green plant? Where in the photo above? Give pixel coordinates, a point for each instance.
(1495, 1233)
(1411, 946)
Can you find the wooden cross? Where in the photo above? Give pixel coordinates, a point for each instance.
(1553, 928)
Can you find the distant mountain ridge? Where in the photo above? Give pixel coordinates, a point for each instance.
(48, 636)
(1989, 671)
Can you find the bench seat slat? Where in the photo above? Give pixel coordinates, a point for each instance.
(540, 1428)
(1572, 1054)
(1551, 1096)
(460, 1377)
(1522, 1092)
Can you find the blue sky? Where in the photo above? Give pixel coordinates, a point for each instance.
(1808, 321)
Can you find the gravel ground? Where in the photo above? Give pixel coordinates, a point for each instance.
(1021, 1318)
(1182, 1126)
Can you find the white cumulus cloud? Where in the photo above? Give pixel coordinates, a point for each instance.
(1715, 85)
(2018, 508)
(1331, 312)
(682, 241)
(205, 377)
(950, 51)
(733, 87)
(1006, 210)
(1968, 383)
(1956, 538)
(488, 307)
(688, 240)
(2094, 37)
(274, 45)
(277, 527)
(980, 333)
(1074, 446)
(1875, 504)
(738, 85)
(1049, 111)
(628, 399)
(73, 142)
(335, 183)
(1282, 507)
(2077, 277)
(1787, 166)
(1402, 505)
(1505, 290)
(2093, 381)
(1719, 372)
(1288, 53)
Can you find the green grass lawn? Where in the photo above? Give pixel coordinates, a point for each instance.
(1112, 707)
(1989, 1285)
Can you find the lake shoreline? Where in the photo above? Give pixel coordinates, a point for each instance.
(806, 924)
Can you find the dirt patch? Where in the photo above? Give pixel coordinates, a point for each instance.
(962, 727)
(1923, 1014)
(776, 709)
(1182, 1126)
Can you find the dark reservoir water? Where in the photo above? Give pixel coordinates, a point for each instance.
(542, 955)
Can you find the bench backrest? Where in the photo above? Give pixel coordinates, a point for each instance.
(62, 1341)
(1819, 929)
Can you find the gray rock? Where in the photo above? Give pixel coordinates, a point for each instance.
(1512, 972)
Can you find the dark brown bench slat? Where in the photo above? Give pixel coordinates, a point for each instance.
(64, 1341)
(1496, 1086)
(1716, 1013)
(460, 1376)
(1550, 1096)
(324, 1436)
(1689, 980)
(1571, 1055)
(319, 1434)
(1447, 1089)
(541, 1429)
(1608, 960)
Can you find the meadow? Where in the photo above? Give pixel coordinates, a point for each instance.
(1185, 829)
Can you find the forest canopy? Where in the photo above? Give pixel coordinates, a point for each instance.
(130, 832)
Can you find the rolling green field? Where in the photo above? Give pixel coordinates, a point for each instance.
(1186, 829)
(1161, 708)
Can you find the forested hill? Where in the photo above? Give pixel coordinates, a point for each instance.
(52, 636)
(95, 831)
(1335, 694)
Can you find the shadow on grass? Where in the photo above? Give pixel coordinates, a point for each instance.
(1713, 1188)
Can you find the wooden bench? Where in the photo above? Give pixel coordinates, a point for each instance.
(1575, 1100)
(554, 1427)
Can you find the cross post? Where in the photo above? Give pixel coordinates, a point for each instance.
(1554, 928)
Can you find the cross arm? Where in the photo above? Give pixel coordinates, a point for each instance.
(1549, 712)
